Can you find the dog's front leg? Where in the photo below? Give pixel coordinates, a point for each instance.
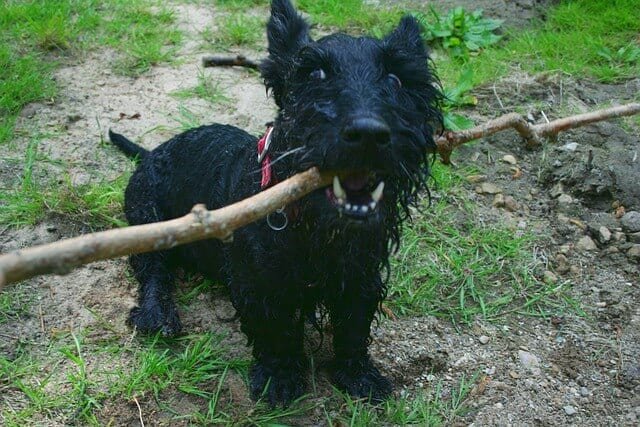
(352, 312)
(156, 310)
(274, 327)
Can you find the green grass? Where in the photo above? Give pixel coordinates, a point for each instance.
(352, 14)
(576, 38)
(236, 30)
(36, 36)
(453, 265)
(205, 89)
(240, 4)
(97, 205)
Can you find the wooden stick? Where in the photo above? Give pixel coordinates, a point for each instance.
(224, 61)
(63, 256)
(532, 134)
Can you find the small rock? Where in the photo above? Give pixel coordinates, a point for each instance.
(476, 179)
(611, 250)
(586, 244)
(569, 410)
(634, 252)
(508, 158)
(572, 146)
(510, 204)
(604, 235)
(561, 264)
(498, 200)
(634, 237)
(631, 222)
(488, 188)
(584, 392)
(529, 361)
(483, 339)
(72, 118)
(619, 236)
(549, 278)
(557, 190)
(565, 200)
(557, 163)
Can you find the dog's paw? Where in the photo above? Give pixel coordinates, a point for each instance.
(156, 318)
(361, 379)
(277, 383)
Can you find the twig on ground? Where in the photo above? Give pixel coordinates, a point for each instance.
(139, 411)
(61, 257)
(229, 61)
(532, 134)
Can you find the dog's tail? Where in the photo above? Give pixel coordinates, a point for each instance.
(129, 148)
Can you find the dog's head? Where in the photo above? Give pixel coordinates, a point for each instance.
(362, 107)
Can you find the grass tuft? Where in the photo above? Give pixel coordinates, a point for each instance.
(454, 265)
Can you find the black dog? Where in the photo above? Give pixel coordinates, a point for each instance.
(361, 106)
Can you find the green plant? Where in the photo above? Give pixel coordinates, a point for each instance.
(628, 54)
(460, 32)
(456, 97)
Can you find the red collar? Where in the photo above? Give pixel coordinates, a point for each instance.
(268, 178)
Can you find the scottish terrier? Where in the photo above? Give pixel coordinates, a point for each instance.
(362, 106)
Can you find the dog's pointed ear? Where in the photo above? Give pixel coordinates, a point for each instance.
(287, 32)
(406, 36)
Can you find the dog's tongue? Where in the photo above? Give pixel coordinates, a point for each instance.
(355, 182)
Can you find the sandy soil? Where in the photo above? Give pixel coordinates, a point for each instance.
(581, 370)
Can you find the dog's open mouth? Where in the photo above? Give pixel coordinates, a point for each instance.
(356, 194)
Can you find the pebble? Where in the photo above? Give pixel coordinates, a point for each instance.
(529, 361)
(565, 200)
(562, 263)
(510, 204)
(476, 179)
(634, 237)
(483, 339)
(508, 158)
(619, 236)
(604, 235)
(584, 392)
(634, 252)
(569, 410)
(488, 188)
(631, 222)
(586, 243)
(572, 146)
(557, 190)
(549, 278)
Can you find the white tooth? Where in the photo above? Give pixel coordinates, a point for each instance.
(376, 195)
(348, 206)
(337, 189)
(364, 208)
(373, 205)
(340, 201)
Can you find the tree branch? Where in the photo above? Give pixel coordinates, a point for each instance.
(532, 134)
(225, 61)
(63, 256)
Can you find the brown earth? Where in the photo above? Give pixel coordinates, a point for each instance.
(571, 369)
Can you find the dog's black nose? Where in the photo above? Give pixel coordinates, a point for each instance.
(367, 130)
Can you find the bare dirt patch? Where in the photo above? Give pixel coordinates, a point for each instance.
(577, 369)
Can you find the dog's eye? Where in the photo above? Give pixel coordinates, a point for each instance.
(318, 74)
(395, 81)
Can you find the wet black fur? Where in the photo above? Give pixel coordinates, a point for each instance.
(322, 258)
